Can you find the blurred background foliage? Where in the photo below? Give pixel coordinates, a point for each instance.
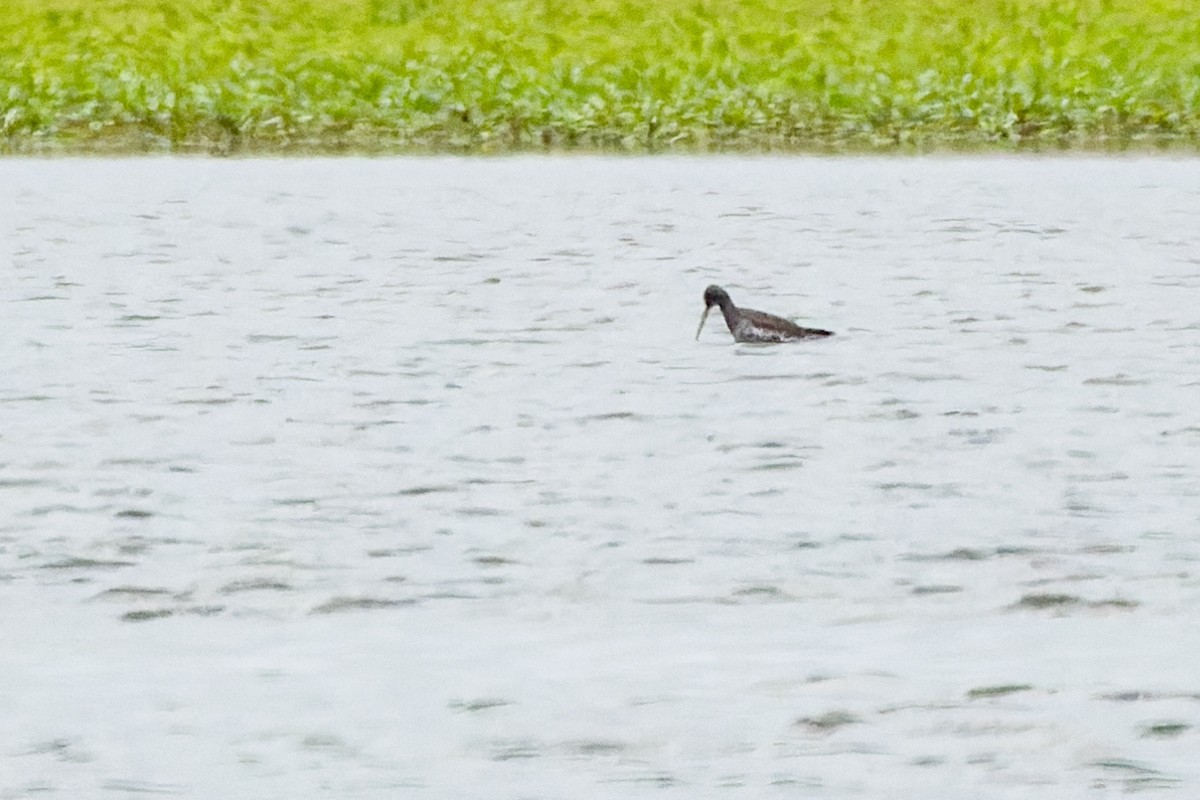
(501, 75)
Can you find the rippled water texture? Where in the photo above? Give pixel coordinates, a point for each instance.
(405, 478)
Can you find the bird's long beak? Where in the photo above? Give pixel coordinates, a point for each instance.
(703, 317)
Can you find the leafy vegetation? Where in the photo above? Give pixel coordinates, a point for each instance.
(625, 75)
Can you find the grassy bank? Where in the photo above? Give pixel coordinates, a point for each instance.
(630, 75)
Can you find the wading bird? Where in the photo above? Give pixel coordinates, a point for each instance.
(748, 325)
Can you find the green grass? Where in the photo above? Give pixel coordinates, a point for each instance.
(624, 75)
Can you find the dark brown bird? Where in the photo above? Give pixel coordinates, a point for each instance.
(748, 325)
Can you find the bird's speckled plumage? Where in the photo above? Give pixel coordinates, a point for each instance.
(748, 325)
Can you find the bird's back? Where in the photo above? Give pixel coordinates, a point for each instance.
(759, 326)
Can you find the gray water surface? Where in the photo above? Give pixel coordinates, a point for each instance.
(405, 478)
